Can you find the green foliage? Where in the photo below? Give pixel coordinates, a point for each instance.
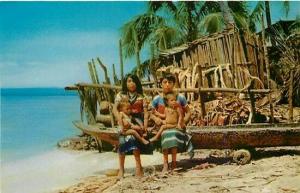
(168, 24)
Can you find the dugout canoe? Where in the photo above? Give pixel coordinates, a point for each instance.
(224, 137)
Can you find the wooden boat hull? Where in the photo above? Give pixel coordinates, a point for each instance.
(109, 135)
(236, 138)
(231, 137)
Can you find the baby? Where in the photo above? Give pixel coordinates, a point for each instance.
(128, 127)
(173, 115)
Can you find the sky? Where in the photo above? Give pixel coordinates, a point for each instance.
(48, 44)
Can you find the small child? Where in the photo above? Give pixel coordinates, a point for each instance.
(173, 115)
(127, 127)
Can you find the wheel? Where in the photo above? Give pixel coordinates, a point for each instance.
(241, 156)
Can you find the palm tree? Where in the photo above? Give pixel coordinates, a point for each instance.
(168, 24)
(264, 7)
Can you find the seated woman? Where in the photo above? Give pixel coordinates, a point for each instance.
(172, 140)
(132, 91)
(173, 115)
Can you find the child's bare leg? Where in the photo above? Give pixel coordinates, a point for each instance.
(165, 166)
(137, 135)
(162, 128)
(138, 167)
(121, 165)
(174, 153)
(158, 134)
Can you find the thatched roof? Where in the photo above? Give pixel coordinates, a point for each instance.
(167, 56)
(187, 46)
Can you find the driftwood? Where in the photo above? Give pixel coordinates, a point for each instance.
(104, 107)
(104, 119)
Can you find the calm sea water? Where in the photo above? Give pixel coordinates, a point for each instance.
(34, 119)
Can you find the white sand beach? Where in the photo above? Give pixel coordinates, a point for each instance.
(57, 169)
(275, 170)
(73, 171)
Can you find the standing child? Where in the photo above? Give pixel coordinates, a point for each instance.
(129, 128)
(173, 115)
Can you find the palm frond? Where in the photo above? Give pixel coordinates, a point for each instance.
(257, 11)
(212, 23)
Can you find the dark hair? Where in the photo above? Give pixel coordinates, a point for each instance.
(167, 96)
(136, 80)
(169, 77)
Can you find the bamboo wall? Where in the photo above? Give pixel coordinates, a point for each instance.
(227, 60)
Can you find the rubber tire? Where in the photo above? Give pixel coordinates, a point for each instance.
(242, 157)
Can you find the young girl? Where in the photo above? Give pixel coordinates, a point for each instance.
(173, 115)
(129, 128)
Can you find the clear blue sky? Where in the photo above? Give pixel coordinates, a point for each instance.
(48, 44)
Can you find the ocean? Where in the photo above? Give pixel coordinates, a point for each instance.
(33, 120)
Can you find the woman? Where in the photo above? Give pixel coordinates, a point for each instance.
(133, 92)
(172, 140)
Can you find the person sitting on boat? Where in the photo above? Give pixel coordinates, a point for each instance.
(130, 126)
(133, 92)
(173, 116)
(172, 140)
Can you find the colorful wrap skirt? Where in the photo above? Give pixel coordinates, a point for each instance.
(174, 138)
(128, 143)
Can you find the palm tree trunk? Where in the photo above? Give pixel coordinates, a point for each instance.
(268, 13)
(121, 59)
(137, 54)
(269, 21)
(228, 18)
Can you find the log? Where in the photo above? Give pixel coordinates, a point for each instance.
(104, 107)
(105, 119)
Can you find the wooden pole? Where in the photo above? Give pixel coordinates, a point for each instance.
(201, 97)
(204, 90)
(109, 93)
(151, 66)
(116, 81)
(291, 96)
(267, 66)
(121, 59)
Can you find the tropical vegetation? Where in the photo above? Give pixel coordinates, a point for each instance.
(167, 24)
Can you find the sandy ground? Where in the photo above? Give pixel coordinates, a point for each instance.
(271, 170)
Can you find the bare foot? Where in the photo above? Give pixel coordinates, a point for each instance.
(121, 174)
(165, 168)
(139, 173)
(146, 142)
(173, 166)
(153, 139)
